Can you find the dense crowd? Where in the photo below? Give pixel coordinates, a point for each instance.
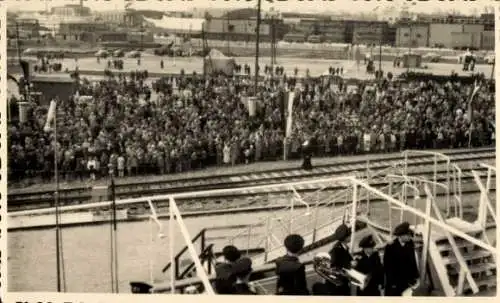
(136, 126)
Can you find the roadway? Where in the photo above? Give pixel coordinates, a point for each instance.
(316, 67)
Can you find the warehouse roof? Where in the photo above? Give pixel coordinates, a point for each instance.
(192, 25)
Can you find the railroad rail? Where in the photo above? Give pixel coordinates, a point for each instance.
(416, 163)
(252, 199)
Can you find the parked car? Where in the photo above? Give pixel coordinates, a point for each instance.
(102, 54)
(490, 59)
(432, 57)
(118, 53)
(134, 54)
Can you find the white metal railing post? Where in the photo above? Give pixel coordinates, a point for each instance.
(185, 234)
(460, 208)
(369, 179)
(435, 176)
(461, 280)
(268, 231)
(448, 184)
(151, 251)
(426, 235)
(353, 214)
(485, 206)
(488, 180)
(248, 239)
(390, 209)
(316, 213)
(171, 217)
(405, 172)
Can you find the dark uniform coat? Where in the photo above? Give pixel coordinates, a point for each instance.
(371, 266)
(224, 278)
(291, 277)
(400, 266)
(340, 259)
(242, 289)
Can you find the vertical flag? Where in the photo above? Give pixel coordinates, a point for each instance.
(289, 120)
(477, 86)
(51, 114)
(252, 104)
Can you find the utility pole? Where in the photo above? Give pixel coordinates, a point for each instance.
(18, 43)
(227, 33)
(257, 40)
(380, 49)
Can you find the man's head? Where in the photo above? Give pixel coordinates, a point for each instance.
(342, 233)
(294, 243)
(403, 232)
(231, 253)
(367, 244)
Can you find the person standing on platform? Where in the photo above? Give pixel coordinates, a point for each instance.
(369, 264)
(290, 271)
(307, 151)
(224, 277)
(341, 259)
(242, 269)
(400, 262)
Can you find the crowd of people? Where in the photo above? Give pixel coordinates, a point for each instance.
(396, 274)
(131, 125)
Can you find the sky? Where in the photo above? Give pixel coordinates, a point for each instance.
(354, 6)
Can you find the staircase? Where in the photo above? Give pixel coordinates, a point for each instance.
(479, 275)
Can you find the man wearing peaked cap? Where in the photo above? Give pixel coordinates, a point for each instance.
(368, 263)
(403, 229)
(290, 271)
(367, 242)
(400, 264)
(341, 259)
(242, 269)
(140, 288)
(294, 243)
(231, 253)
(342, 233)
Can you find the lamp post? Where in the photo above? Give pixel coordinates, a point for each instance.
(380, 51)
(257, 40)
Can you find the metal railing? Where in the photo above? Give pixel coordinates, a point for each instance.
(485, 206)
(276, 228)
(453, 175)
(438, 222)
(355, 185)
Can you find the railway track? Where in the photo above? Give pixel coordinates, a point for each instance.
(342, 167)
(419, 167)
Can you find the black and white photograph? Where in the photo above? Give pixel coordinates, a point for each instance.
(271, 148)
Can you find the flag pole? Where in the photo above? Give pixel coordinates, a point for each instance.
(56, 202)
(115, 244)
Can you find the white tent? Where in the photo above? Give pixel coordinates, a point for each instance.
(178, 25)
(216, 61)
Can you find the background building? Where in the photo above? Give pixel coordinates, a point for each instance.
(125, 18)
(412, 34)
(71, 10)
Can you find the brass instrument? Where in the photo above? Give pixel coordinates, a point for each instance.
(338, 276)
(323, 269)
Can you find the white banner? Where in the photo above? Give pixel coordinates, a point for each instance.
(289, 119)
(252, 106)
(50, 116)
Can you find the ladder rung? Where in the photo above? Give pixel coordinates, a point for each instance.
(476, 268)
(471, 256)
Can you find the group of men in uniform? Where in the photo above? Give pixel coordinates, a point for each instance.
(397, 273)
